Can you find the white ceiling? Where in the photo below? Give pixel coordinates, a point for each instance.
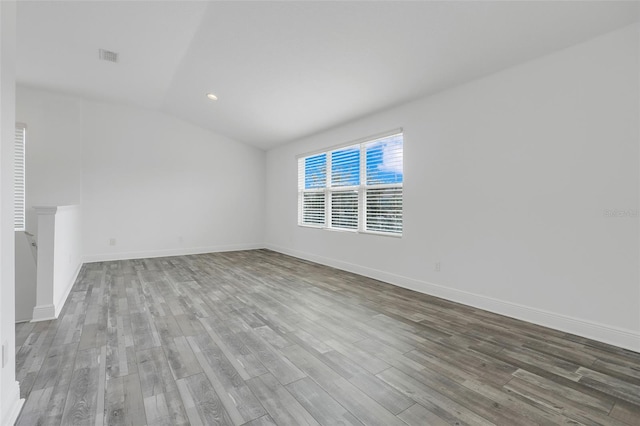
(283, 70)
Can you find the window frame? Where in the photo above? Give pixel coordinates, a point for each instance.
(360, 189)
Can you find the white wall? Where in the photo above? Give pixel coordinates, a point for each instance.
(53, 170)
(10, 402)
(154, 183)
(67, 252)
(25, 277)
(59, 258)
(161, 186)
(53, 149)
(506, 182)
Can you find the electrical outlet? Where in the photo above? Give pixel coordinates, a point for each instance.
(112, 241)
(437, 266)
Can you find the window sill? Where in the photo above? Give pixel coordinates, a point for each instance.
(351, 231)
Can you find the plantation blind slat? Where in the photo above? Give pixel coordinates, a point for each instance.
(344, 209)
(345, 166)
(19, 178)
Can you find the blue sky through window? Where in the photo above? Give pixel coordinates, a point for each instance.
(345, 167)
(315, 171)
(384, 160)
(384, 165)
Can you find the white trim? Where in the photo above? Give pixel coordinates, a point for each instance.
(623, 338)
(11, 415)
(358, 141)
(352, 231)
(144, 254)
(43, 313)
(44, 210)
(382, 234)
(67, 207)
(54, 209)
(305, 225)
(60, 303)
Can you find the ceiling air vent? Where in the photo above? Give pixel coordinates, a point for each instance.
(107, 55)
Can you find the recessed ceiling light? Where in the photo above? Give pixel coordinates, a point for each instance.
(212, 96)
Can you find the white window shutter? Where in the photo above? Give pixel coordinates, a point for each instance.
(357, 187)
(312, 179)
(383, 191)
(19, 178)
(384, 209)
(344, 209)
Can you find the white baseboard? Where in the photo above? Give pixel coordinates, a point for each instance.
(183, 251)
(60, 303)
(623, 338)
(44, 313)
(51, 312)
(15, 405)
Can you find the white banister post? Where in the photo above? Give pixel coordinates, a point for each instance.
(45, 309)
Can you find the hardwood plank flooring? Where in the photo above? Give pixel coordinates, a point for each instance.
(260, 338)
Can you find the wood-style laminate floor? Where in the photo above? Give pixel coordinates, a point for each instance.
(259, 338)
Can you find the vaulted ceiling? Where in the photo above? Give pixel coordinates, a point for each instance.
(283, 70)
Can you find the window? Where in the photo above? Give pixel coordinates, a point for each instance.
(19, 177)
(357, 187)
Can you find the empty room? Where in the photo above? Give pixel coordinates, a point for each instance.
(379, 213)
